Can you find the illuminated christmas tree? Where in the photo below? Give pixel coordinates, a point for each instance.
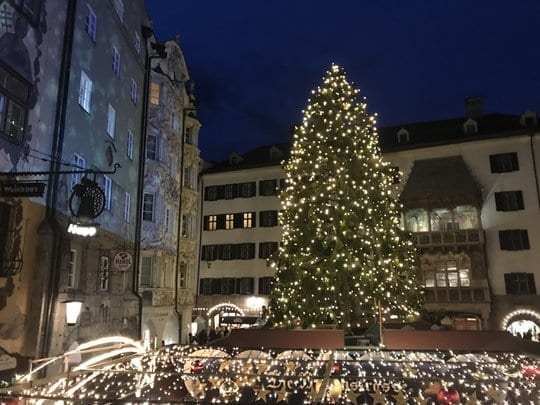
(343, 257)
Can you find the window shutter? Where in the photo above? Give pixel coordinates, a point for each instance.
(238, 220)
(220, 223)
(206, 194)
(515, 162)
(503, 240)
(524, 239)
(530, 283)
(253, 189)
(493, 164)
(508, 283)
(253, 219)
(519, 200)
(499, 204)
(205, 222)
(203, 253)
(220, 192)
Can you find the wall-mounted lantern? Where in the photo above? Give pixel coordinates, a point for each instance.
(73, 310)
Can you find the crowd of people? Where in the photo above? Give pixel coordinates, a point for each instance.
(203, 336)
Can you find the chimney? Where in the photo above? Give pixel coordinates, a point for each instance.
(473, 107)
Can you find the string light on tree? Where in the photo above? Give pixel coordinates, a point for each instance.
(342, 246)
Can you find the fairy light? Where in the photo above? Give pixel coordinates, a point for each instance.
(342, 249)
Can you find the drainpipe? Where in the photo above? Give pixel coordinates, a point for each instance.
(51, 292)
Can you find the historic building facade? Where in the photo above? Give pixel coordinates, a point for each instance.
(169, 244)
(469, 189)
(73, 80)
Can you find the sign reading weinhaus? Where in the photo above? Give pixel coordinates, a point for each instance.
(21, 189)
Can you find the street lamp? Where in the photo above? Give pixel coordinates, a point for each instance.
(73, 310)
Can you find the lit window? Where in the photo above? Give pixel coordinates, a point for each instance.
(212, 222)
(148, 207)
(13, 100)
(107, 186)
(154, 93)
(91, 22)
(111, 121)
(116, 61)
(133, 91)
(130, 144)
(79, 163)
(104, 273)
(229, 221)
(85, 92)
(248, 219)
(127, 206)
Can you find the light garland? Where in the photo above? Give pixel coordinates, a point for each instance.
(343, 258)
(217, 375)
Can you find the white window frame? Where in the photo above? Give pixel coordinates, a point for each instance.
(145, 211)
(147, 271)
(107, 189)
(127, 206)
(229, 221)
(183, 270)
(104, 273)
(85, 92)
(134, 91)
(116, 61)
(72, 270)
(248, 219)
(212, 222)
(79, 163)
(119, 8)
(111, 121)
(137, 43)
(91, 23)
(155, 152)
(130, 144)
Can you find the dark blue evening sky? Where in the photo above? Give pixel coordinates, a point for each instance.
(255, 62)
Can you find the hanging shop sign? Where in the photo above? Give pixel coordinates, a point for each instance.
(21, 189)
(123, 260)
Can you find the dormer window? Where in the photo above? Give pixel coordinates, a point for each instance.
(529, 119)
(275, 153)
(403, 136)
(470, 127)
(235, 158)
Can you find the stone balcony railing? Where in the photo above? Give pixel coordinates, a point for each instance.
(449, 238)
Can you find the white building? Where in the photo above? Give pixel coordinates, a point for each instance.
(470, 191)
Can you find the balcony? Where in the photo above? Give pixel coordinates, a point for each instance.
(462, 237)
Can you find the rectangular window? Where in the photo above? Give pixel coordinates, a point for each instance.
(127, 206)
(504, 162)
(182, 275)
(13, 106)
(107, 189)
(228, 286)
(137, 43)
(231, 191)
(116, 61)
(509, 200)
(152, 147)
(188, 177)
(91, 22)
(79, 163)
(111, 121)
(266, 249)
(265, 285)
(247, 190)
(245, 285)
(247, 251)
(226, 252)
(520, 283)
(147, 269)
(104, 273)
(119, 8)
(188, 224)
(211, 193)
(129, 146)
(268, 218)
(72, 269)
(85, 92)
(248, 220)
(514, 239)
(148, 207)
(229, 221)
(189, 136)
(210, 222)
(134, 91)
(205, 286)
(155, 90)
(167, 219)
(209, 252)
(268, 187)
